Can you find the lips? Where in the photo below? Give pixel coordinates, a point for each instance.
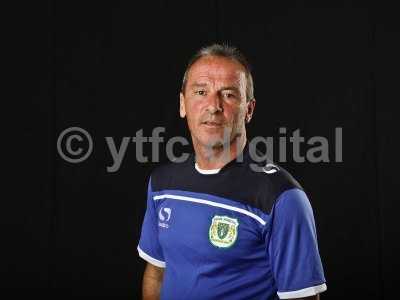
(212, 124)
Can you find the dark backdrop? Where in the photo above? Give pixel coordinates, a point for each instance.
(115, 68)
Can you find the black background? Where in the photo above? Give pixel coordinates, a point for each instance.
(115, 67)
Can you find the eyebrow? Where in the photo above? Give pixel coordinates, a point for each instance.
(233, 88)
(196, 84)
(224, 88)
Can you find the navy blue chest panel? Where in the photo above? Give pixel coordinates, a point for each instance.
(199, 228)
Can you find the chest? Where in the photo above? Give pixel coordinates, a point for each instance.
(207, 231)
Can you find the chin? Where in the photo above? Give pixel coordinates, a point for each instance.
(216, 141)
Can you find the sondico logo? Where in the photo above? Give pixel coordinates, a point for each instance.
(270, 168)
(164, 214)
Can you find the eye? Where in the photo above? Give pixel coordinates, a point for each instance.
(200, 92)
(229, 95)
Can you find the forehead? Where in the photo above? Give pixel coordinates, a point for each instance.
(214, 68)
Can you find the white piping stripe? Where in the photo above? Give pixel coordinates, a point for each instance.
(310, 291)
(191, 199)
(150, 259)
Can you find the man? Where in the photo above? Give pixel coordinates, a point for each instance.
(221, 225)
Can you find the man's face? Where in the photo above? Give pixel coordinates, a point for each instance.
(214, 101)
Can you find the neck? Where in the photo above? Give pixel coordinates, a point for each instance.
(216, 157)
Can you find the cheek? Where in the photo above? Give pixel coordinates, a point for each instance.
(193, 113)
(234, 114)
(194, 110)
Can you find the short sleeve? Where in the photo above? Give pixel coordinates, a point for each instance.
(149, 247)
(293, 248)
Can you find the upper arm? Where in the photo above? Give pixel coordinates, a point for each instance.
(153, 272)
(152, 282)
(293, 249)
(149, 247)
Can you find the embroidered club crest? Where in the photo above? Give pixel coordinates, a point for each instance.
(223, 231)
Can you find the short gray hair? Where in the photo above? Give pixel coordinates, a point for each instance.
(227, 52)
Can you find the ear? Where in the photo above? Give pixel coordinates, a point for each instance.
(182, 111)
(250, 109)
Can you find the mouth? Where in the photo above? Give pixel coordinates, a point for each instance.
(212, 124)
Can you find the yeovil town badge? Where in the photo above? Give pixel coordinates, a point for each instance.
(223, 231)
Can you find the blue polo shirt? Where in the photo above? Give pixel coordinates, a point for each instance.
(246, 231)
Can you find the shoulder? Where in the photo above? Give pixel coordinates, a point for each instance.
(269, 180)
(165, 174)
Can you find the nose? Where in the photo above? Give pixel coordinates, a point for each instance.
(214, 104)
